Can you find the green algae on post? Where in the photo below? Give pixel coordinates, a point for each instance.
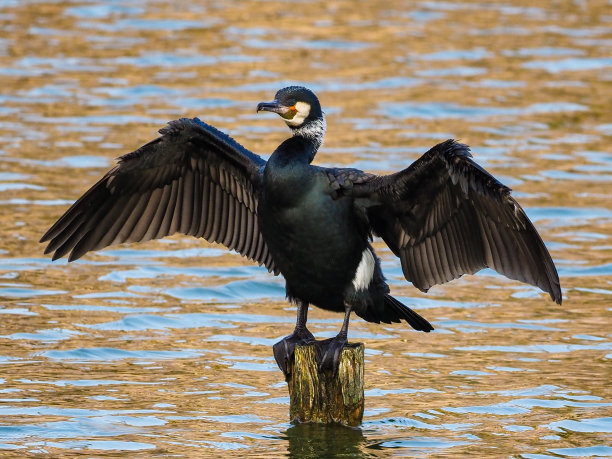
(323, 397)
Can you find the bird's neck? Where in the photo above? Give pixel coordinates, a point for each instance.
(313, 132)
(293, 153)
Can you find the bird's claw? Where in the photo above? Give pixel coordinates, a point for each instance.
(285, 348)
(328, 352)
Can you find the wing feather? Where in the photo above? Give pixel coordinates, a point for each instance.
(160, 212)
(186, 202)
(196, 204)
(130, 228)
(445, 216)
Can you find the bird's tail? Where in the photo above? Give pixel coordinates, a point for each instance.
(399, 311)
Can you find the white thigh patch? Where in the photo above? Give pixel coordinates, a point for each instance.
(365, 270)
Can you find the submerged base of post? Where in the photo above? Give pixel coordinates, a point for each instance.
(325, 397)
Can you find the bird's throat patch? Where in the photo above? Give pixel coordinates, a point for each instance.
(300, 111)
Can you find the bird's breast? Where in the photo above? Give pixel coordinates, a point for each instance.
(286, 184)
(312, 237)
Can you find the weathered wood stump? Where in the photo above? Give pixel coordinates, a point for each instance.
(325, 397)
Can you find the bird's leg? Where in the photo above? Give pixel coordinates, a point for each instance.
(328, 351)
(283, 350)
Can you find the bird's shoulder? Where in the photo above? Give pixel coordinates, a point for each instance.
(342, 180)
(191, 137)
(448, 163)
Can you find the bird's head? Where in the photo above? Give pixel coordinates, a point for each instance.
(301, 110)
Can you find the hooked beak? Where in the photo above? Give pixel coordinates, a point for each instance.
(273, 106)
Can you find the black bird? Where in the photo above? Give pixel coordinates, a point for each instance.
(443, 216)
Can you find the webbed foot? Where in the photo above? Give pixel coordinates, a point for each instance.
(284, 349)
(328, 352)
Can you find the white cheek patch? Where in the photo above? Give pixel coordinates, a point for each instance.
(365, 271)
(303, 110)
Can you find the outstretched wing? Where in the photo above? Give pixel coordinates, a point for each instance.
(445, 216)
(193, 179)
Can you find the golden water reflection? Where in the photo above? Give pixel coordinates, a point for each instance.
(164, 348)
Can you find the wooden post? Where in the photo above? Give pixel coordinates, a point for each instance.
(323, 397)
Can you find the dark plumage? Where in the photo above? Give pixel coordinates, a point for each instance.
(443, 216)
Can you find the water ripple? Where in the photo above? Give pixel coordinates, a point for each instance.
(584, 425)
(538, 348)
(180, 331)
(105, 354)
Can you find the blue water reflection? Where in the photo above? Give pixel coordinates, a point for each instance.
(164, 348)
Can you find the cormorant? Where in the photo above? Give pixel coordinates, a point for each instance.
(443, 216)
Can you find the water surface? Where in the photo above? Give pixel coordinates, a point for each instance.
(164, 348)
